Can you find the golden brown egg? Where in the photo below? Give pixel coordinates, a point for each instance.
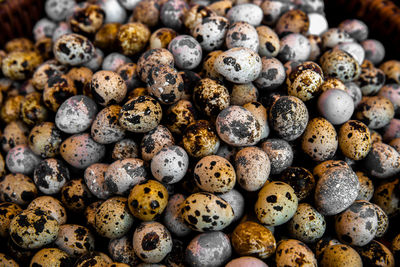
(133, 38)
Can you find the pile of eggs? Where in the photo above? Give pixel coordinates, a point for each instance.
(198, 133)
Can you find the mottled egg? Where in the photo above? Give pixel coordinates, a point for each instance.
(172, 219)
(243, 93)
(315, 43)
(294, 47)
(171, 13)
(280, 154)
(210, 97)
(300, 179)
(247, 12)
(391, 68)
(153, 58)
(121, 250)
(273, 9)
(81, 77)
(339, 64)
(33, 110)
(237, 202)
(58, 10)
(75, 240)
(366, 187)
(11, 108)
(75, 195)
(272, 74)
(375, 111)
(87, 20)
(51, 205)
(340, 255)
(154, 141)
(210, 33)
(147, 12)
(93, 258)
(269, 45)
(128, 73)
(126, 148)
(81, 150)
(187, 52)
(376, 254)
(152, 242)
(246, 261)
(371, 79)
(292, 252)
(133, 37)
(383, 221)
(94, 177)
(108, 87)
(335, 36)
(140, 114)
(51, 257)
(179, 116)
(357, 29)
(105, 128)
(374, 50)
(195, 15)
(221, 8)
(90, 213)
(147, 200)
(385, 196)
(392, 92)
(200, 139)
(252, 168)
(15, 133)
(336, 106)
(354, 139)
(208, 70)
(208, 249)
(19, 65)
(17, 188)
(45, 139)
(113, 61)
(73, 49)
(123, 174)
(242, 34)
(33, 228)
(293, 21)
(383, 161)
(21, 159)
(7, 261)
(44, 72)
(206, 212)
(106, 37)
(8, 211)
(170, 164)
(50, 175)
(161, 38)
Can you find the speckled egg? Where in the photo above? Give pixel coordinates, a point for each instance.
(45, 139)
(133, 37)
(366, 187)
(375, 111)
(11, 108)
(187, 52)
(315, 43)
(205, 211)
(221, 8)
(239, 65)
(73, 49)
(392, 92)
(33, 110)
(19, 65)
(105, 128)
(75, 240)
(242, 34)
(152, 58)
(172, 219)
(210, 33)
(17, 188)
(200, 139)
(280, 154)
(121, 250)
(376, 254)
(391, 68)
(123, 174)
(161, 38)
(339, 64)
(340, 255)
(14, 133)
(374, 50)
(294, 47)
(51, 205)
(170, 164)
(371, 79)
(106, 37)
(386, 197)
(269, 45)
(335, 36)
(336, 188)
(87, 20)
(94, 177)
(50, 175)
(195, 15)
(208, 249)
(292, 252)
(208, 70)
(323, 243)
(243, 93)
(7, 261)
(52, 257)
(93, 259)
(152, 242)
(44, 72)
(246, 261)
(21, 159)
(154, 141)
(273, 9)
(247, 12)
(357, 29)
(383, 221)
(113, 61)
(179, 116)
(128, 73)
(354, 139)
(43, 28)
(237, 202)
(90, 213)
(354, 91)
(81, 150)
(171, 13)
(336, 106)
(320, 140)
(252, 168)
(288, 117)
(58, 10)
(293, 21)
(272, 74)
(300, 179)
(8, 211)
(75, 195)
(33, 229)
(148, 200)
(147, 12)
(140, 114)
(354, 49)
(108, 87)
(383, 161)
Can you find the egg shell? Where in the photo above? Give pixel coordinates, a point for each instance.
(292, 252)
(123, 174)
(395, 143)
(43, 28)
(50, 175)
(33, 110)
(75, 240)
(375, 111)
(237, 202)
(73, 49)
(94, 177)
(391, 69)
(19, 65)
(382, 161)
(94, 18)
(113, 61)
(52, 205)
(97, 258)
(208, 70)
(335, 36)
(340, 255)
(391, 91)
(187, 52)
(121, 250)
(179, 116)
(243, 93)
(44, 72)
(26, 233)
(246, 12)
(108, 87)
(21, 159)
(152, 242)
(385, 196)
(171, 13)
(300, 179)
(292, 21)
(315, 44)
(196, 14)
(354, 139)
(105, 128)
(90, 213)
(242, 34)
(357, 29)
(128, 73)
(152, 58)
(371, 79)
(208, 249)
(147, 12)
(318, 24)
(45, 140)
(239, 65)
(377, 254)
(8, 211)
(339, 64)
(294, 47)
(354, 49)
(81, 150)
(272, 74)
(75, 195)
(355, 92)
(269, 41)
(246, 261)
(214, 29)
(133, 37)
(154, 141)
(17, 188)
(161, 38)
(273, 9)
(200, 139)
(14, 133)
(374, 50)
(323, 243)
(336, 106)
(58, 10)
(366, 187)
(280, 154)
(383, 221)
(51, 257)
(172, 219)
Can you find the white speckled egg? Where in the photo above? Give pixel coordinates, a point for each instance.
(272, 74)
(336, 106)
(50, 175)
(383, 161)
(247, 12)
(73, 49)
(75, 239)
(172, 219)
(187, 52)
(170, 164)
(292, 252)
(280, 154)
(210, 33)
(94, 177)
(375, 111)
(242, 34)
(269, 42)
(339, 64)
(294, 47)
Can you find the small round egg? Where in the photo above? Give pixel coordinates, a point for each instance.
(269, 42)
(90, 213)
(51, 257)
(280, 154)
(106, 37)
(354, 139)
(294, 47)
(108, 87)
(45, 139)
(33, 110)
(75, 195)
(19, 65)
(371, 79)
(93, 258)
(374, 50)
(246, 12)
(172, 219)
(73, 49)
(58, 88)
(133, 37)
(391, 92)
(105, 128)
(210, 33)
(242, 34)
(147, 12)
(200, 139)
(51, 205)
(21, 159)
(243, 93)
(339, 64)
(340, 255)
(292, 252)
(93, 19)
(44, 72)
(272, 74)
(179, 116)
(335, 36)
(8, 211)
(17, 188)
(354, 49)
(391, 68)
(336, 106)
(195, 15)
(126, 148)
(75, 240)
(121, 250)
(161, 38)
(171, 13)
(154, 141)
(385, 196)
(152, 58)
(375, 111)
(113, 61)
(14, 133)
(50, 175)
(58, 10)
(187, 52)
(94, 177)
(293, 21)
(376, 254)
(300, 179)
(382, 161)
(357, 29)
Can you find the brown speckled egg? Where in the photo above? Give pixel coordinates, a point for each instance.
(339, 64)
(8, 211)
(375, 111)
(106, 37)
(19, 65)
(128, 73)
(354, 139)
(154, 141)
(148, 200)
(81, 77)
(366, 187)
(133, 37)
(300, 179)
(11, 108)
(33, 110)
(269, 41)
(93, 259)
(73, 49)
(383, 161)
(44, 72)
(90, 213)
(17, 188)
(94, 177)
(105, 128)
(288, 117)
(75, 240)
(340, 255)
(293, 21)
(376, 254)
(51, 205)
(14, 134)
(51, 257)
(371, 79)
(126, 148)
(251, 238)
(33, 228)
(383, 221)
(179, 116)
(206, 212)
(113, 219)
(208, 70)
(87, 20)
(58, 88)
(152, 242)
(121, 250)
(75, 195)
(161, 38)
(252, 168)
(200, 139)
(147, 12)
(272, 74)
(19, 44)
(307, 224)
(320, 140)
(108, 87)
(45, 139)
(280, 154)
(165, 83)
(210, 97)
(332, 83)
(140, 114)
(386, 197)
(21, 159)
(221, 8)
(123, 174)
(391, 68)
(243, 93)
(50, 175)
(45, 47)
(292, 252)
(196, 14)
(323, 243)
(153, 58)
(238, 127)
(276, 203)
(214, 174)
(81, 150)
